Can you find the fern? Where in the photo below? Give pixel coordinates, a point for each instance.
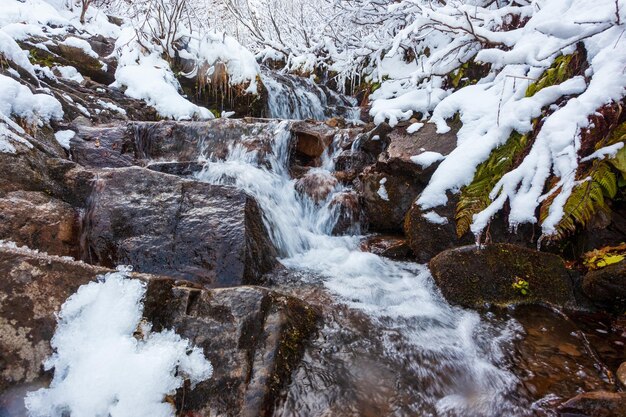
(563, 68)
(475, 197)
(587, 199)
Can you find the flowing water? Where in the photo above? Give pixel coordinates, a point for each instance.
(390, 344)
(293, 97)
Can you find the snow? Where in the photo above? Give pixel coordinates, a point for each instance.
(148, 77)
(64, 137)
(70, 73)
(426, 159)
(12, 52)
(110, 106)
(382, 191)
(81, 44)
(101, 369)
(435, 218)
(602, 153)
(17, 100)
(414, 128)
(240, 63)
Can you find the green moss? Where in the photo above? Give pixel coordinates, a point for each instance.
(42, 58)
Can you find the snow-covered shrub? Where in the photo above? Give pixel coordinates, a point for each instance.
(102, 369)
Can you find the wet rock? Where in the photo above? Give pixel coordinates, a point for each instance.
(607, 286)
(374, 141)
(387, 197)
(317, 185)
(32, 289)
(472, 277)
(389, 246)
(103, 146)
(432, 231)
(595, 404)
(312, 139)
(350, 163)
(213, 235)
(349, 213)
(404, 180)
(136, 143)
(38, 221)
(253, 337)
(621, 374)
(182, 169)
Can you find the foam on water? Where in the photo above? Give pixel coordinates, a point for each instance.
(461, 355)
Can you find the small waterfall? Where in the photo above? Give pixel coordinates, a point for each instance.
(299, 98)
(456, 357)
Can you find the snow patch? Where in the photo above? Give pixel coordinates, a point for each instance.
(382, 191)
(426, 159)
(64, 137)
(101, 369)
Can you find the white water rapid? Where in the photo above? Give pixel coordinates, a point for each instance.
(298, 98)
(457, 358)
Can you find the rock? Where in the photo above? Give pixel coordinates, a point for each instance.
(312, 139)
(404, 180)
(85, 64)
(103, 146)
(375, 141)
(387, 197)
(428, 236)
(182, 169)
(403, 145)
(349, 216)
(32, 289)
(210, 234)
(595, 404)
(472, 277)
(607, 286)
(350, 163)
(621, 374)
(136, 143)
(38, 221)
(389, 246)
(253, 337)
(317, 185)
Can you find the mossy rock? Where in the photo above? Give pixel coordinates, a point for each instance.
(472, 277)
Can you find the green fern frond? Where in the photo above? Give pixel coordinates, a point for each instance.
(563, 68)
(587, 199)
(475, 196)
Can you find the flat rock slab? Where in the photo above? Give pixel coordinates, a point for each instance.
(253, 337)
(472, 276)
(158, 223)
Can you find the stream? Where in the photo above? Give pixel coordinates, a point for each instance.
(390, 344)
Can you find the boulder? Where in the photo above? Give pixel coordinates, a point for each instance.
(312, 139)
(317, 185)
(32, 289)
(403, 179)
(139, 143)
(389, 246)
(41, 222)
(607, 286)
(253, 337)
(472, 276)
(595, 404)
(349, 214)
(159, 223)
(386, 197)
(432, 231)
(349, 164)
